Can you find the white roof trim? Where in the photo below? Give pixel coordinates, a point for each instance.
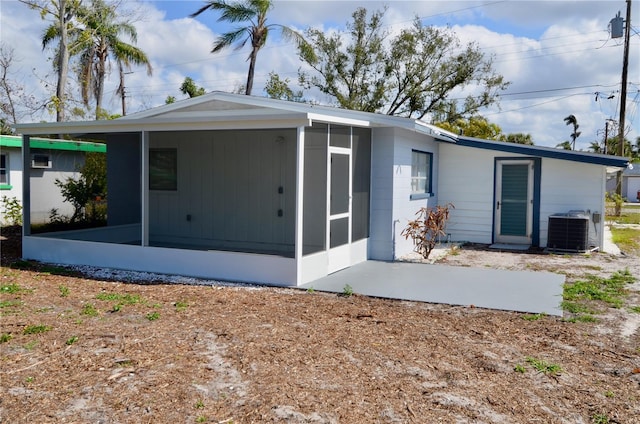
(267, 112)
(290, 120)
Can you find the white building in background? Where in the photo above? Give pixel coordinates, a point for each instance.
(49, 159)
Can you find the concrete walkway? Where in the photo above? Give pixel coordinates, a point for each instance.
(523, 291)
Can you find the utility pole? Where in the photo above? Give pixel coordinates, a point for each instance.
(623, 98)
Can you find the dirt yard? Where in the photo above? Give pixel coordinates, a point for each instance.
(92, 347)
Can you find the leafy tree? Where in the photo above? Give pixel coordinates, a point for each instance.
(88, 190)
(190, 88)
(566, 145)
(99, 41)
(256, 30)
(476, 126)
(572, 120)
(62, 14)
(630, 150)
(479, 127)
(410, 75)
(277, 88)
(169, 100)
(518, 138)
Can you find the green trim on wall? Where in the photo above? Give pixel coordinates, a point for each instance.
(53, 144)
(6, 186)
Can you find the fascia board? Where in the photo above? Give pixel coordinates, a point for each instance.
(291, 120)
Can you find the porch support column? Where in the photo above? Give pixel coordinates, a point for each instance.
(26, 185)
(299, 203)
(144, 178)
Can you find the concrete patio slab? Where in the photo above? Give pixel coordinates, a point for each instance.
(522, 291)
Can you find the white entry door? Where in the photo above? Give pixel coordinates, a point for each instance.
(339, 209)
(514, 202)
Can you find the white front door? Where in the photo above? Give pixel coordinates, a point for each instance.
(514, 202)
(339, 209)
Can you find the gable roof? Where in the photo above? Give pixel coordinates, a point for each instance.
(219, 110)
(225, 110)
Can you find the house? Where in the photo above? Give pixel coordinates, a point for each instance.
(244, 188)
(630, 183)
(48, 160)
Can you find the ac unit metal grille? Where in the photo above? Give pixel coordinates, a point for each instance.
(568, 233)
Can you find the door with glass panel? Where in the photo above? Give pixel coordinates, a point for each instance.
(514, 202)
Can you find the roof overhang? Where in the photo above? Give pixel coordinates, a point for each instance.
(611, 162)
(169, 123)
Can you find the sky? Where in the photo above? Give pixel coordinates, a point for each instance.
(558, 56)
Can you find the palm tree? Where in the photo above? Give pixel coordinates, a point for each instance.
(595, 147)
(63, 13)
(100, 41)
(566, 145)
(572, 120)
(254, 13)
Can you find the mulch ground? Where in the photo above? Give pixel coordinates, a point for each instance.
(76, 349)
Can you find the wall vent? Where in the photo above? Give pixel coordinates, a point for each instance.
(40, 161)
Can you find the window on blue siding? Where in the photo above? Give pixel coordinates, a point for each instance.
(420, 172)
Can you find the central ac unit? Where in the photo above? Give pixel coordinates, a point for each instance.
(568, 232)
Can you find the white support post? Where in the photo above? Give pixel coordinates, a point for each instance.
(26, 185)
(299, 203)
(144, 178)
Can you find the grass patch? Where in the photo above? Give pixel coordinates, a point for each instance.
(627, 239)
(64, 291)
(635, 309)
(90, 310)
(12, 288)
(36, 329)
(543, 366)
(5, 337)
(10, 303)
(626, 217)
(582, 318)
(152, 316)
(123, 299)
(181, 305)
(600, 419)
(534, 317)
(71, 340)
(582, 297)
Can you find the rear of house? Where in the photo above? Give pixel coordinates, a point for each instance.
(251, 189)
(506, 193)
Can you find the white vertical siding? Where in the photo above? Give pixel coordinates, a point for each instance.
(566, 186)
(45, 195)
(228, 185)
(466, 181)
(381, 229)
(391, 204)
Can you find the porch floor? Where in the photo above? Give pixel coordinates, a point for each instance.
(522, 291)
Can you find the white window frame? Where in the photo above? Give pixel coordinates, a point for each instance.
(421, 171)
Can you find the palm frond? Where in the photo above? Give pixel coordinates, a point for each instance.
(50, 34)
(228, 38)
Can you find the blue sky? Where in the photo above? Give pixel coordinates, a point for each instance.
(556, 54)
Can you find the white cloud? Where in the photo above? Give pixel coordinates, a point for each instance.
(538, 46)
